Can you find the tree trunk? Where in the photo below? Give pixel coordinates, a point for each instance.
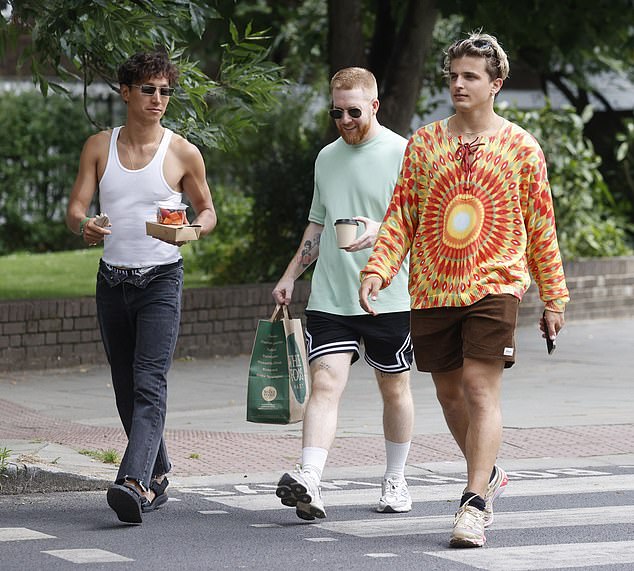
(400, 90)
(382, 40)
(345, 35)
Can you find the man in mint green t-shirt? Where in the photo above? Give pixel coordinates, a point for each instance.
(354, 179)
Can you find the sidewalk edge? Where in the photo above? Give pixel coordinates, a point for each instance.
(29, 479)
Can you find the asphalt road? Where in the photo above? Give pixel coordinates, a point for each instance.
(562, 517)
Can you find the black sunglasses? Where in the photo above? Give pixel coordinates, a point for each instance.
(151, 89)
(354, 112)
(481, 44)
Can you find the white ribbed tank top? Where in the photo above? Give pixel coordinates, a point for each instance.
(129, 198)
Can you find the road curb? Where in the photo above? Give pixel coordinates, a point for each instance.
(29, 479)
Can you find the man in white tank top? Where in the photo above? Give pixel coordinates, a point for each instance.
(140, 278)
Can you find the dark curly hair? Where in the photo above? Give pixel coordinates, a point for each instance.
(144, 65)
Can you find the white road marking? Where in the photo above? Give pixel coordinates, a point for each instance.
(265, 525)
(320, 539)
(443, 492)
(213, 512)
(88, 556)
(534, 557)
(21, 534)
(385, 527)
(381, 555)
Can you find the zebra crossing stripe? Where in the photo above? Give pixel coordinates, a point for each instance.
(21, 534)
(441, 492)
(398, 526)
(87, 555)
(535, 557)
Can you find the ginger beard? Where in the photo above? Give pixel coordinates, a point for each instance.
(354, 131)
(355, 134)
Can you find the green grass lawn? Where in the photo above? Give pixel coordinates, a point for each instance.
(60, 274)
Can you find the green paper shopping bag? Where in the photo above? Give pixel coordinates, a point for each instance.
(278, 384)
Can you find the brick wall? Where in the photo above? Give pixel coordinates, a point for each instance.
(43, 334)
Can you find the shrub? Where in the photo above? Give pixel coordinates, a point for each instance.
(224, 256)
(40, 147)
(624, 155)
(263, 193)
(588, 220)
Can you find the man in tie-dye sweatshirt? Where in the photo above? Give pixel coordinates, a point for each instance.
(473, 209)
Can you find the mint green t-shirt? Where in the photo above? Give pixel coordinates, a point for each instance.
(354, 180)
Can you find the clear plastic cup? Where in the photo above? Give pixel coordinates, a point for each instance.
(170, 213)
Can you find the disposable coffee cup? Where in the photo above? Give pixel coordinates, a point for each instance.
(346, 229)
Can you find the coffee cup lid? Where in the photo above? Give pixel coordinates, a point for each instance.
(346, 221)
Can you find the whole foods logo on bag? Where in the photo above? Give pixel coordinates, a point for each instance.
(296, 369)
(269, 393)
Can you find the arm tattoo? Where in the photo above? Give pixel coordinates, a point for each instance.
(307, 254)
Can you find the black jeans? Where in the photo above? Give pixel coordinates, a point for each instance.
(139, 316)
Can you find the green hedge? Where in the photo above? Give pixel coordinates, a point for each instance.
(589, 222)
(262, 193)
(262, 189)
(40, 146)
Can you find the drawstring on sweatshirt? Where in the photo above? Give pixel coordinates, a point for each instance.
(466, 155)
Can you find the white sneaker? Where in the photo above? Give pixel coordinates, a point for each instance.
(495, 489)
(395, 496)
(468, 527)
(301, 491)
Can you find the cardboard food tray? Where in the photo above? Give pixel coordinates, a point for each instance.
(173, 232)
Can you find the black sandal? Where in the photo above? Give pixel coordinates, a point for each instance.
(127, 502)
(160, 496)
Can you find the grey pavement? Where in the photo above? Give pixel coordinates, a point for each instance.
(573, 407)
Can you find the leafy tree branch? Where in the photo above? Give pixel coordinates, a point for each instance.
(80, 41)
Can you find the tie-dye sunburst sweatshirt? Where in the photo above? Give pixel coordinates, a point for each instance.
(476, 218)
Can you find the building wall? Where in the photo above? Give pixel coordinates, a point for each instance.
(42, 334)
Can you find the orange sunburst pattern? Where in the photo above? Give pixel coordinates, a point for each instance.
(475, 218)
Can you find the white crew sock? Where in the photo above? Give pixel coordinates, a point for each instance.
(314, 461)
(396, 457)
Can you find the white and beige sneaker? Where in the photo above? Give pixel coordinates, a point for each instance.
(301, 491)
(395, 496)
(495, 489)
(468, 527)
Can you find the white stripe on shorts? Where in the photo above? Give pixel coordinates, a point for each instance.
(401, 362)
(330, 348)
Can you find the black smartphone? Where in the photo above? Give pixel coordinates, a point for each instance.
(550, 344)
